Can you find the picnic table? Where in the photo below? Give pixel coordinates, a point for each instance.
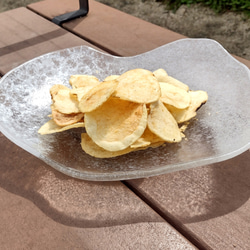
(40, 208)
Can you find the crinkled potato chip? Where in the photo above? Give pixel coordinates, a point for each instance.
(162, 76)
(51, 127)
(97, 96)
(66, 103)
(198, 98)
(162, 123)
(79, 81)
(138, 85)
(174, 96)
(116, 124)
(65, 119)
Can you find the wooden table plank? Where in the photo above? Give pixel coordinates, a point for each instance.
(29, 36)
(30, 228)
(117, 32)
(41, 208)
(212, 202)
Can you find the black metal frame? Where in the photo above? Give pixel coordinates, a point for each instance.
(83, 11)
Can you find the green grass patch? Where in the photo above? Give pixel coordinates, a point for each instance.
(217, 5)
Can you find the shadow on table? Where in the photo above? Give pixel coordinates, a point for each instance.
(201, 193)
(67, 200)
(189, 196)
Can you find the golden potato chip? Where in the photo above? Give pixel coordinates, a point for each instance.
(80, 92)
(65, 103)
(177, 83)
(55, 88)
(97, 96)
(198, 98)
(162, 76)
(62, 119)
(111, 77)
(93, 149)
(147, 138)
(162, 123)
(138, 85)
(180, 115)
(51, 127)
(124, 113)
(89, 147)
(140, 143)
(79, 81)
(174, 96)
(156, 144)
(116, 124)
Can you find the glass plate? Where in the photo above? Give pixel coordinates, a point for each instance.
(221, 130)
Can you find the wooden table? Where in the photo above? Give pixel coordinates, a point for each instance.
(40, 208)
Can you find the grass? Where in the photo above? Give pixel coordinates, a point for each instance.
(217, 5)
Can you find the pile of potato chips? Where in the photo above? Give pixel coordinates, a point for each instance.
(123, 113)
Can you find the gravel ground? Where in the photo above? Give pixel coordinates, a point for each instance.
(229, 29)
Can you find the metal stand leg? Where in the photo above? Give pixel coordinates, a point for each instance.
(83, 11)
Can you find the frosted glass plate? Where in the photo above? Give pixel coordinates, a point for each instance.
(222, 130)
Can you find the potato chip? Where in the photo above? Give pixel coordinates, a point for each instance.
(162, 123)
(51, 127)
(138, 85)
(65, 119)
(147, 138)
(80, 92)
(55, 88)
(130, 112)
(156, 144)
(140, 143)
(116, 124)
(198, 98)
(93, 149)
(177, 83)
(89, 147)
(162, 76)
(65, 103)
(97, 96)
(111, 77)
(174, 96)
(79, 81)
